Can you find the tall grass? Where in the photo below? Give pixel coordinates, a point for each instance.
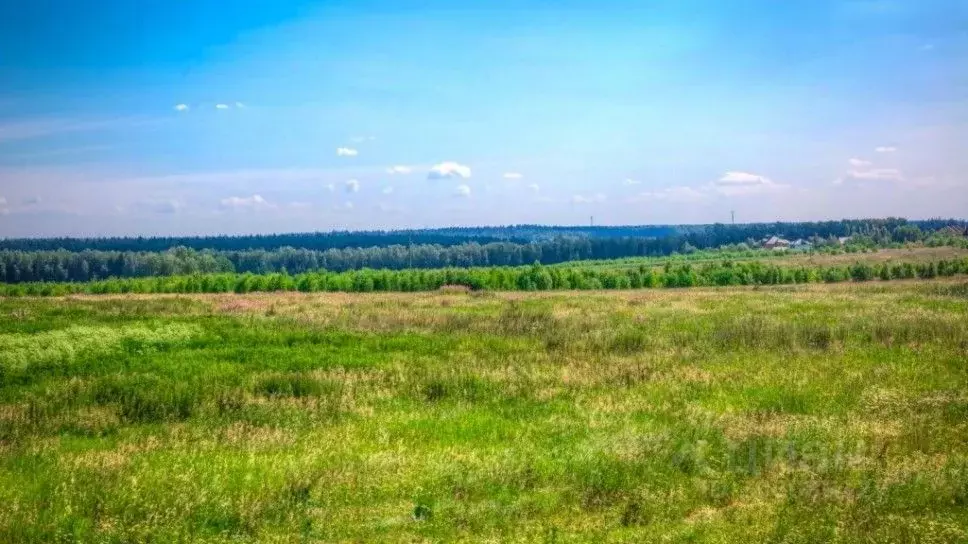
(808, 414)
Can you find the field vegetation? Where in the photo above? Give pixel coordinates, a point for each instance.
(642, 274)
(796, 413)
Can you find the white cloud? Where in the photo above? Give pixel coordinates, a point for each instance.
(399, 169)
(513, 175)
(859, 163)
(449, 170)
(352, 186)
(240, 105)
(361, 139)
(245, 202)
(885, 149)
(331, 187)
(629, 181)
(590, 199)
(462, 191)
(221, 106)
(744, 183)
(181, 107)
(742, 178)
(534, 187)
(387, 190)
(346, 152)
(298, 205)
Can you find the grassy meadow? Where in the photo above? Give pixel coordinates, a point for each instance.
(799, 413)
(915, 254)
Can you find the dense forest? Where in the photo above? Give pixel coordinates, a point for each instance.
(37, 264)
(705, 235)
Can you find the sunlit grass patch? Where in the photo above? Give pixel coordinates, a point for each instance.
(69, 344)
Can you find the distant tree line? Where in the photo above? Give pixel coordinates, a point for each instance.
(527, 278)
(17, 266)
(314, 240)
(699, 235)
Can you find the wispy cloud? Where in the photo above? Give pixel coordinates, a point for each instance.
(731, 184)
(346, 152)
(629, 181)
(871, 175)
(534, 187)
(164, 207)
(59, 152)
(352, 186)
(361, 139)
(863, 171)
(240, 105)
(221, 106)
(181, 107)
(399, 169)
(673, 194)
(384, 207)
(245, 202)
(463, 191)
(885, 149)
(24, 129)
(387, 190)
(253, 176)
(513, 175)
(449, 170)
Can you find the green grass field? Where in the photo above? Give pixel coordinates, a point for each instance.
(808, 413)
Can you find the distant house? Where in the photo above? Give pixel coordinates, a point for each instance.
(843, 239)
(801, 244)
(776, 243)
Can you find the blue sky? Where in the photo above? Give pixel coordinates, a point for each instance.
(211, 117)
